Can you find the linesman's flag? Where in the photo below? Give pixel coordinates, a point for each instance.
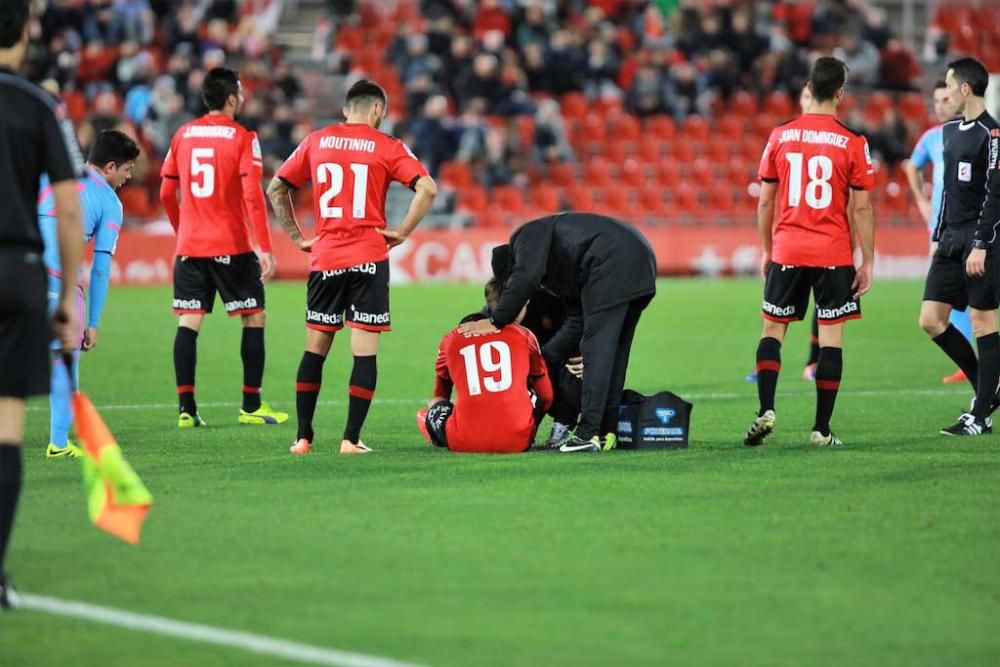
(117, 500)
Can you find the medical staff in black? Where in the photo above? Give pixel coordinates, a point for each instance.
(607, 271)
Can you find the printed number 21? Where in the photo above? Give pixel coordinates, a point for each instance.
(493, 360)
(332, 174)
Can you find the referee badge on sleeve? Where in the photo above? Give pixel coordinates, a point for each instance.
(965, 172)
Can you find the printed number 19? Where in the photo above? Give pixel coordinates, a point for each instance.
(492, 363)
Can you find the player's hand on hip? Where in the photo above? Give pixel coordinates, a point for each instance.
(975, 265)
(862, 281)
(393, 237)
(575, 366)
(268, 265)
(477, 328)
(765, 261)
(89, 338)
(305, 245)
(64, 327)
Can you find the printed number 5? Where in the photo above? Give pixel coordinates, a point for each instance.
(206, 170)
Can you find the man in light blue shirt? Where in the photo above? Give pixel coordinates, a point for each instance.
(930, 150)
(109, 166)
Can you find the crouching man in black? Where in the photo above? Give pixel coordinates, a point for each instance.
(602, 269)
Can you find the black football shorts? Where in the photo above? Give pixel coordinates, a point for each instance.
(235, 277)
(947, 281)
(358, 296)
(787, 288)
(24, 325)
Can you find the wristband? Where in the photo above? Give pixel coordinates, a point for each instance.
(980, 245)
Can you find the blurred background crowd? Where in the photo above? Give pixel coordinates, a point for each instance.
(649, 109)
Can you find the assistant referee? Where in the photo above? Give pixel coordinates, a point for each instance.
(35, 138)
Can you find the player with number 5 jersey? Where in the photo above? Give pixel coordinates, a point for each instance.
(214, 164)
(813, 171)
(351, 166)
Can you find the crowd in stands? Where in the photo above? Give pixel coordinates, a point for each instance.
(137, 65)
(514, 103)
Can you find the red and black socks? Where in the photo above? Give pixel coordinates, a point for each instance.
(768, 367)
(185, 359)
(829, 369)
(361, 391)
(252, 352)
(307, 386)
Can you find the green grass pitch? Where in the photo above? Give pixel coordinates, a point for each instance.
(885, 552)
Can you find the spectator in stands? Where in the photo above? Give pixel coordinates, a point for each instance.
(684, 91)
(861, 57)
(551, 144)
(496, 168)
(744, 41)
(646, 96)
(534, 28)
(564, 63)
(601, 73)
(491, 16)
(899, 67)
(472, 129)
(889, 139)
(433, 139)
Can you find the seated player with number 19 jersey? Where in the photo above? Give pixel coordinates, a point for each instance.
(503, 390)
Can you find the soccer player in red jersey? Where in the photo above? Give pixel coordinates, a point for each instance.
(812, 171)
(215, 164)
(502, 384)
(351, 165)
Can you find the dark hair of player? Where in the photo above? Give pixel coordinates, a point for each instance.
(492, 293)
(939, 84)
(219, 84)
(828, 75)
(112, 146)
(13, 17)
(365, 93)
(972, 72)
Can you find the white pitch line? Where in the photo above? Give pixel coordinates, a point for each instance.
(423, 401)
(245, 641)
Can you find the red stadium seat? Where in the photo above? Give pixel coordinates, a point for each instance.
(702, 173)
(493, 218)
(719, 149)
(457, 174)
(350, 39)
(780, 104)
(472, 199)
(581, 198)
(509, 199)
(562, 174)
(683, 201)
(546, 198)
(575, 105)
(614, 151)
(696, 127)
(652, 201)
(631, 173)
(742, 105)
(731, 127)
(597, 173)
(618, 201)
(662, 127)
(667, 174)
(684, 149)
(625, 127)
(648, 151)
(913, 107)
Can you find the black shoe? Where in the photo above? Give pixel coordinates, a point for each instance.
(967, 425)
(9, 598)
(576, 444)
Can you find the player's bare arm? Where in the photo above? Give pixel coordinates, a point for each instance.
(426, 190)
(916, 180)
(70, 224)
(864, 224)
(281, 201)
(765, 222)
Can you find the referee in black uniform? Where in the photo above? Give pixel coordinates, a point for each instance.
(605, 270)
(965, 269)
(35, 138)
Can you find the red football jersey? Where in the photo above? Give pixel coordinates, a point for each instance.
(816, 161)
(351, 166)
(492, 376)
(219, 166)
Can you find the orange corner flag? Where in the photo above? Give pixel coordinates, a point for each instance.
(117, 500)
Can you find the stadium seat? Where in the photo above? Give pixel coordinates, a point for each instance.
(581, 198)
(493, 218)
(614, 151)
(662, 127)
(719, 149)
(702, 173)
(697, 128)
(597, 173)
(624, 127)
(574, 105)
(509, 198)
(457, 174)
(618, 201)
(545, 198)
(652, 201)
(684, 149)
(631, 173)
(648, 151)
(731, 127)
(472, 200)
(742, 105)
(668, 174)
(779, 103)
(562, 174)
(913, 107)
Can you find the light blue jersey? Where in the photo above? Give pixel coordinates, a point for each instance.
(102, 222)
(930, 149)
